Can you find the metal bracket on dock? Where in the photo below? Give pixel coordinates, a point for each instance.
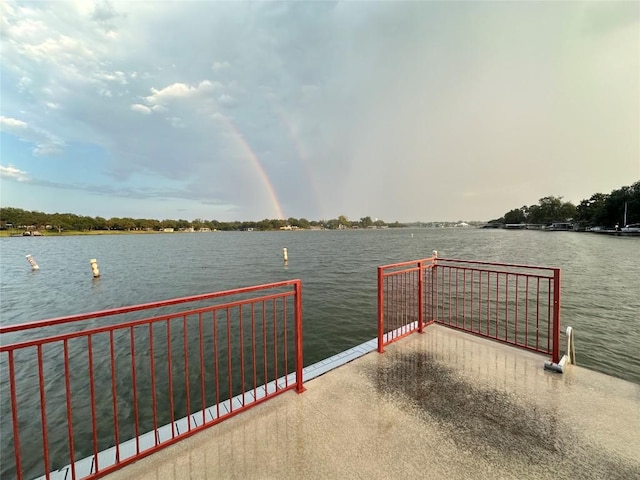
(569, 357)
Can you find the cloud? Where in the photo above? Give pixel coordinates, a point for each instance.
(177, 91)
(12, 173)
(217, 66)
(227, 100)
(137, 107)
(45, 142)
(106, 15)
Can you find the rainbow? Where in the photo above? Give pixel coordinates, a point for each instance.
(253, 158)
(297, 145)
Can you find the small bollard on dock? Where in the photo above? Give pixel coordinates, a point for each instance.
(94, 268)
(285, 256)
(32, 262)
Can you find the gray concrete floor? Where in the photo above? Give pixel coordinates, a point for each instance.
(441, 405)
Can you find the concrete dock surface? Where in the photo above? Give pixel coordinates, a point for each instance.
(437, 405)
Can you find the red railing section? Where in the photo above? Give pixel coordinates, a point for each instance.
(511, 303)
(87, 394)
(404, 299)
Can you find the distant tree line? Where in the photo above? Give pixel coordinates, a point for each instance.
(600, 210)
(18, 218)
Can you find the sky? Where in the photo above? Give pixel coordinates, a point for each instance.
(408, 111)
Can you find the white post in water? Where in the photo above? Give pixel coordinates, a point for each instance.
(32, 262)
(94, 268)
(285, 256)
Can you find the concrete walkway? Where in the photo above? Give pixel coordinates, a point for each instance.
(441, 405)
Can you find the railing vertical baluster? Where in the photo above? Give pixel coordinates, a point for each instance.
(187, 379)
(515, 330)
(136, 422)
(441, 312)
(464, 298)
(14, 414)
(275, 342)
(497, 302)
(450, 305)
(153, 385)
(170, 378)
(457, 293)
(537, 313)
(114, 397)
(471, 303)
(480, 302)
(43, 412)
(67, 390)
(391, 320)
(286, 345)
(408, 304)
(253, 349)
(404, 302)
(216, 359)
(506, 306)
(229, 360)
(395, 305)
(94, 427)
(240, 322)
(391, 326)
(264, 346)
(203, 392)
(526, 314)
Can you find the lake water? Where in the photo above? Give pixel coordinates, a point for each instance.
(600, 278)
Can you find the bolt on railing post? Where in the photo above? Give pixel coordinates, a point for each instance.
(556, 315)
(380, 310)
(420, 299)
(298, 325)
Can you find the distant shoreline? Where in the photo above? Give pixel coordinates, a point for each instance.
(19, 233)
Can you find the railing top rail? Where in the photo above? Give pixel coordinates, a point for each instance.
(496, 264)
(136, 323)
(144, 306)
(440, 261)
(404, 264)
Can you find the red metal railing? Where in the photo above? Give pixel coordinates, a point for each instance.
(84, 389)
(404, 299)
(514, 304)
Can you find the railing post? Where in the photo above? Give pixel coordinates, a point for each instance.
(298, 325)
(556, 315)
(420, 298)
(380, 310)
(434, 288)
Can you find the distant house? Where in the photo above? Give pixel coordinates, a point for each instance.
(167, 230)
(205, 229)
(561, 227)
(286, 227)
